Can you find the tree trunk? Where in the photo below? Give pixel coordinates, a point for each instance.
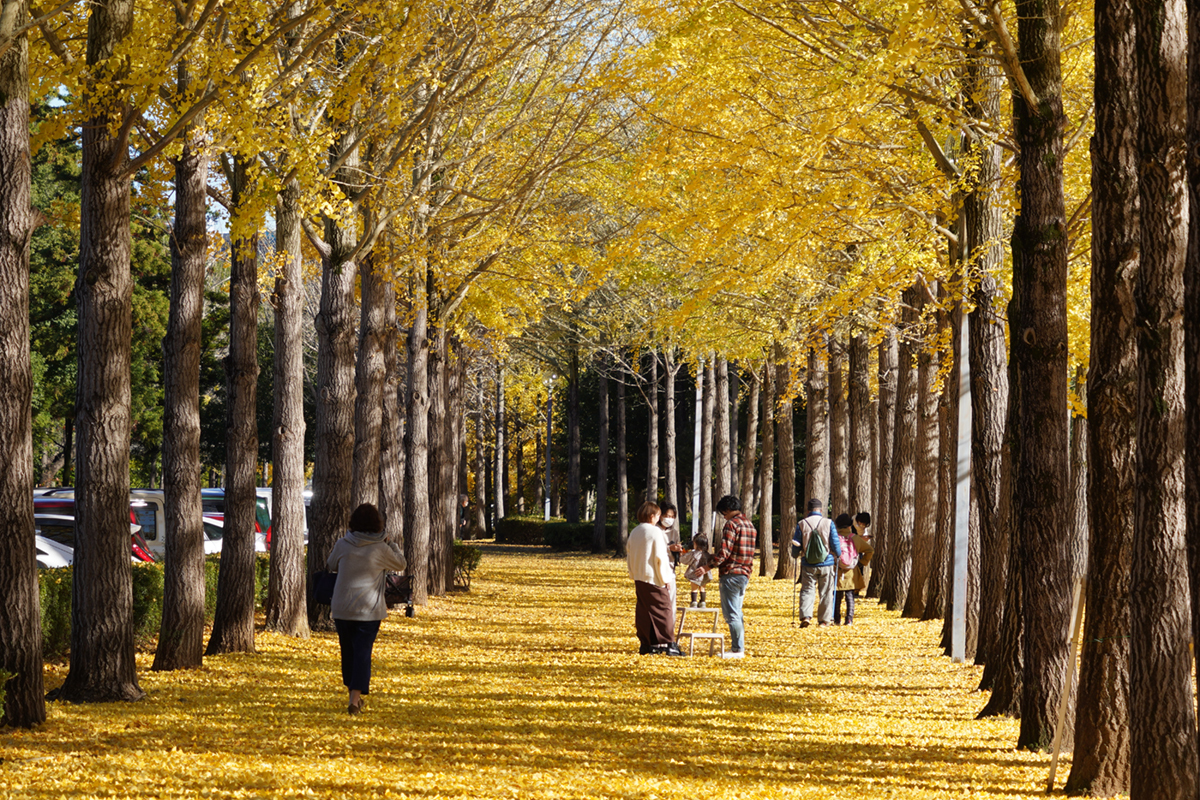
(839, 428)
(481, 495)
(925, 502)
(102, 646)
(369, 375)
(724, 484)
(20, 628)
(1003, 675)
(181, 632)
(816, 453)
(500, 469)
(574, 438)
(901, 508)
(672, 492)
(1161, 693)
(746, 479)
(787, 466)
(622, 475)
(888, 375)
(286, 610)
(1039, 348)
(391, 441)
(441, 459)
(599, 545)
(1191, 317)
(734, 397)
(652, 432)
(704, 525)
(336, 397)
(860, 426)
(416, 457)
(767, 467)
(939, 602)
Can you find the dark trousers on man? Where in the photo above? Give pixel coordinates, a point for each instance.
(357, 638)
(837, 606)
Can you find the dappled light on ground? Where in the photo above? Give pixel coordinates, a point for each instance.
(530, 686)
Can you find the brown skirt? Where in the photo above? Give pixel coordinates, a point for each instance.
(655, 616)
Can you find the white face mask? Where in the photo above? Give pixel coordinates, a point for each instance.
(667, 523)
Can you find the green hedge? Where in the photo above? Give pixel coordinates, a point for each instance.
(519, 530)
(54, 594)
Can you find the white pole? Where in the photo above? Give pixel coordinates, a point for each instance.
(549, 432)
(962, 502)
(697, 523)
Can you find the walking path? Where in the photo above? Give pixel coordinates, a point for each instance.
(531, 687)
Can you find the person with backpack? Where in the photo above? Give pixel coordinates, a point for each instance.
(856, 554)
(818, 547)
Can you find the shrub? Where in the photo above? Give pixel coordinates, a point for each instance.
(466, 560)
(519, 530)
(54, 597)
(564, 536)
(5, 677)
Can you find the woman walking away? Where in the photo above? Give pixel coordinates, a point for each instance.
(654, 581)
(362, 560)
(852, 563)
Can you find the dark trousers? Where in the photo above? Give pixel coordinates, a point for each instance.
(837, 606)
(357, 639)
(654, 616)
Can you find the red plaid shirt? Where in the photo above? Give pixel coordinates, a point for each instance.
(735, 552)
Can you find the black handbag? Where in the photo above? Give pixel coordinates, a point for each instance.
(323, 583)
(397, 589)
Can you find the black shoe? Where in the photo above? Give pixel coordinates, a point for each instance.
(673, 650)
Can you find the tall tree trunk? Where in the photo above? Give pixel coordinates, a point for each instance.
(724, 484)
(336, 395)
(441, 459)
(889, 371)
(704, 524)
(181, 631)
(518, 458)
(1038, 316)
(940, 601)
(102, 647)
(416, 457)
(287, 610)
(673, 488)
(816, 453)
(652, 432)
(391, 441)
(901, 508)
(1191, 316)
(839, 428)
(479, 528)
(574, 438)
(735, 395)
(622, 474)
(925, 502)
(746, 479)
(860, 427)
(1162, 707)
(787, 465)
(599, 545)
(1004, 674)
(20, 628)
(369, 384)
(500, 468)
(767, 467)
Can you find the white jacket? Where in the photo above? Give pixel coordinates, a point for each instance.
(649, 559)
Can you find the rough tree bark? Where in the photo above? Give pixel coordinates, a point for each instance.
(724, 463)
(599, 545)
(286, 610)
(785, 442)
(441, 480)
(889, 354)
(480, 525)
(704, 525)
(652, 431)
(622, 474)
(816, 454)
(369, 375)
(898, 566)
(1191, 314)
(499, 451)
(181, 632)
(861, 465)
(1038, 315)
(102, 646)
(573, 437)
(940, 594)
(391, 442)
(416, 456)
(1162, 710)
(766, 464)
(746, 479)
(20, 628)
(925, 498)
(670, 370)
(839, 428)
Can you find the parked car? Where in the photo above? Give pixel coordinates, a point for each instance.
(51, 554)
(59, 529)
(212, 502)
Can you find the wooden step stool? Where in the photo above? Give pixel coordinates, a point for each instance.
(714, 638)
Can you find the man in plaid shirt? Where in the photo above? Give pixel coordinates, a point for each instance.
(733, 560)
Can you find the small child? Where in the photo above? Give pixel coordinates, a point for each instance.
(697, 559)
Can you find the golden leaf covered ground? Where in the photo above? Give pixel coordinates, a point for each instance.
(530, 686)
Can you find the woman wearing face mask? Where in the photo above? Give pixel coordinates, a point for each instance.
(667, 523)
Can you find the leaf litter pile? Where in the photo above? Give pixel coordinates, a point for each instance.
(530, 686)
